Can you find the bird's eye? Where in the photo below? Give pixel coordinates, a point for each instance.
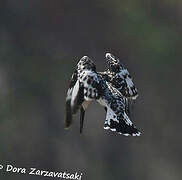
(109, 57)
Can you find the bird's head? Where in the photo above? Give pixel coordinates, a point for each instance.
(113, 63)
(86, 63)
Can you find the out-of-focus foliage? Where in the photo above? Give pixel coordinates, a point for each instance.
(40, 44)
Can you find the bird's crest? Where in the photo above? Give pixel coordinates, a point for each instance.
(113, 63)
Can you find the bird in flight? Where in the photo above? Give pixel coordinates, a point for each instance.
(87, 85)
(118, 76)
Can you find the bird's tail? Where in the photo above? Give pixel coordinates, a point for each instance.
(68, 119)
(121, 125)
(82, 114)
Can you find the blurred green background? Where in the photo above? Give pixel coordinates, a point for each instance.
(40, 44)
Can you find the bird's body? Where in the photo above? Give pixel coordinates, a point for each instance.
(119, 77)
(87, 85)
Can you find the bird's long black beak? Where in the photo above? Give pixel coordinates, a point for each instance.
(82, 114)
(68, 119)
(129, 107)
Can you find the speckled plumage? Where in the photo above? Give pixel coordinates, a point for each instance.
(87, 85)
(119, 77)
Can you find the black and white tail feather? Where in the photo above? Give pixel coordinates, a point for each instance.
(116, 116)
(87, 85)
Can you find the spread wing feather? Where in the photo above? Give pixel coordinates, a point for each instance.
(74, 98)
(68, 119)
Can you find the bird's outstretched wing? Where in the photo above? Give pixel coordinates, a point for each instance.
(74, 98)
(68, 119)
(119, 77)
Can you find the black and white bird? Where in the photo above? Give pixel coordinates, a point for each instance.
(119, 77)
(87, 85)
